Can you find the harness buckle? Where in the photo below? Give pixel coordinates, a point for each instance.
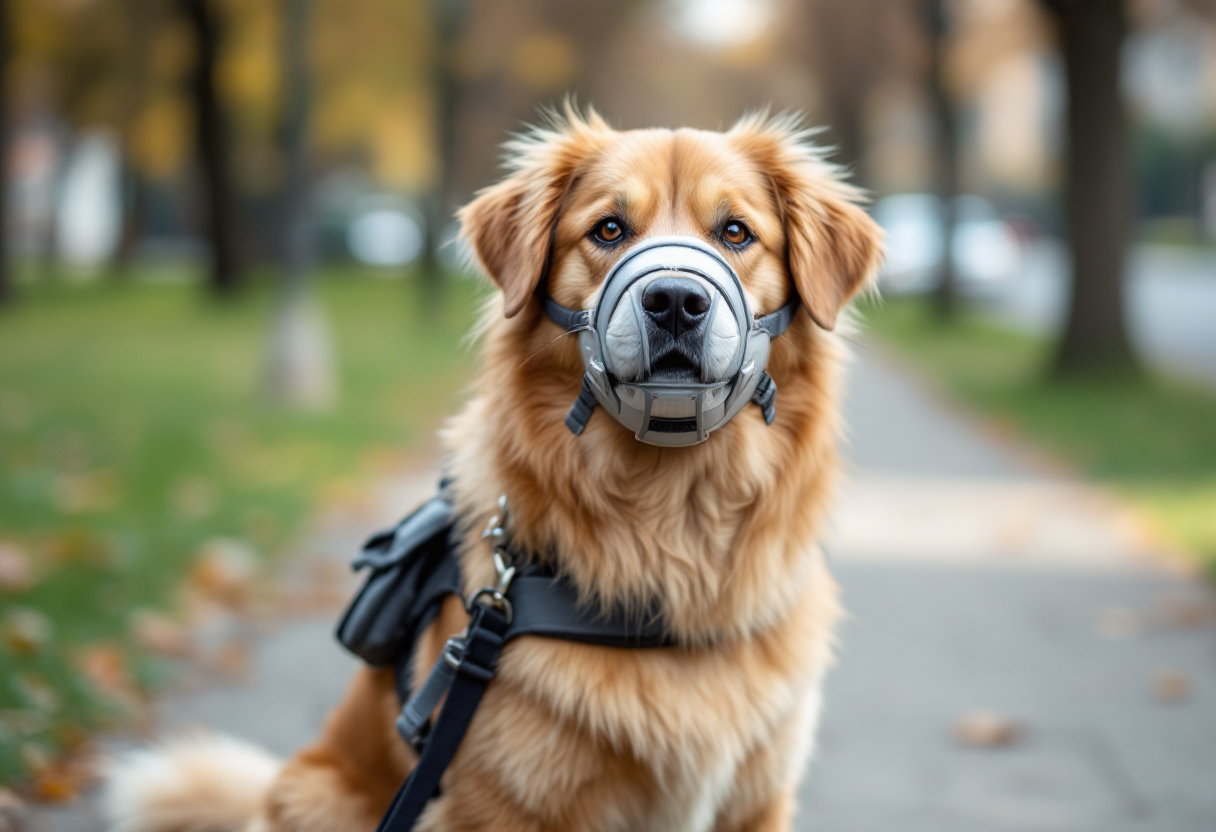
(503, 564)
(497, 598)
(453, 651)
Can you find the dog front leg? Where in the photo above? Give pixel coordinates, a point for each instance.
(345, 781)
(763, 797)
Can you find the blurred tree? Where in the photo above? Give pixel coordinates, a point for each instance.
(853, 46)
(1207, 8)
(63, 71)
(300, 370)
(1098, 187)
(449, 18)
(6, 286)
(946, 161)
(136, 85)
(512, 59)
(213, 147)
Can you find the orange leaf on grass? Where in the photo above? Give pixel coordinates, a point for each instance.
(16, 573)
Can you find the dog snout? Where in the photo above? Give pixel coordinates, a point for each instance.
(676, 304)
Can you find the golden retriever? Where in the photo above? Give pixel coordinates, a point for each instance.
(720, 537)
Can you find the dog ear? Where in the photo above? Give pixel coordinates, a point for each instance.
(509, 226)
(833, 247)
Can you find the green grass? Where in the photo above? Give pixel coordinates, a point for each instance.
(133, 429)
(1151, 439)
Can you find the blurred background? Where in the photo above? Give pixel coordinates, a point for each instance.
(231, 303)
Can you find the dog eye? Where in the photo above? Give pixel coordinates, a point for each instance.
(736, 233)
(609, 231)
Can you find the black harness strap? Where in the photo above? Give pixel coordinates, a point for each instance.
(485, 639)
(547, 606)
(413, 569)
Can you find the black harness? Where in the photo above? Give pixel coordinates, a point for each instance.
(413, 569)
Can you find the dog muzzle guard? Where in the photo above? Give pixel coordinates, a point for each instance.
(660, 411)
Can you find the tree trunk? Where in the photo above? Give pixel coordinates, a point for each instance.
(300, 370)
(135, 96)
(846, 134)
(134, 207)
(1098, 187)
(212, 140)
(449, 20)
(946, 159)
(6, 285)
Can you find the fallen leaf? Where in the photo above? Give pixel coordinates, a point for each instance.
(234, 659)
(1184, 611)
(13, 811)
(158, 633)
(16, 575)
(1171, 685)
(79, 493)
(36, 691)
(225, 570)
(25, 631)
(79, 546)
(53, 779)
(987, 729)
(105, 666)
(1117, 623)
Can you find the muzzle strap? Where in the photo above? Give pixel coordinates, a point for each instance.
(765, 397)
(775, 323)
(574, 320)
(580, 411)
(571, 320)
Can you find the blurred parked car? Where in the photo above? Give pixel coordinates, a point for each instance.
(986, 250)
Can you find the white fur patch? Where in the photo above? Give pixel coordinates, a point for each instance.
(203, 782)
(722, 343)
(625, 339)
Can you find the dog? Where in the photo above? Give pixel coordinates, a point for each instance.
(719, 537)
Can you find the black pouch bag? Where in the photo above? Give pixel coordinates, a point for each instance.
(411, 573)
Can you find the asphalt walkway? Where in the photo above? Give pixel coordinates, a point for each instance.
(1019, 655)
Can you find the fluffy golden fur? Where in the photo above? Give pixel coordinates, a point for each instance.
(720, 536)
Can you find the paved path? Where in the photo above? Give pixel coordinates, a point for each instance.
(974, 579)
(977, 580)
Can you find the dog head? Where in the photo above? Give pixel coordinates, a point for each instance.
(580, 195)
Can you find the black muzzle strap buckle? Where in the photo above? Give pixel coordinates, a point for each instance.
(766, 397)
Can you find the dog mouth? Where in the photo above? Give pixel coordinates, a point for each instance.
(675, 366)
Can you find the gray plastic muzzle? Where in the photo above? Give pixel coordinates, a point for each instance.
(663, 412)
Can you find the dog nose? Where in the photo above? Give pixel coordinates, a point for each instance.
(676, 304)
